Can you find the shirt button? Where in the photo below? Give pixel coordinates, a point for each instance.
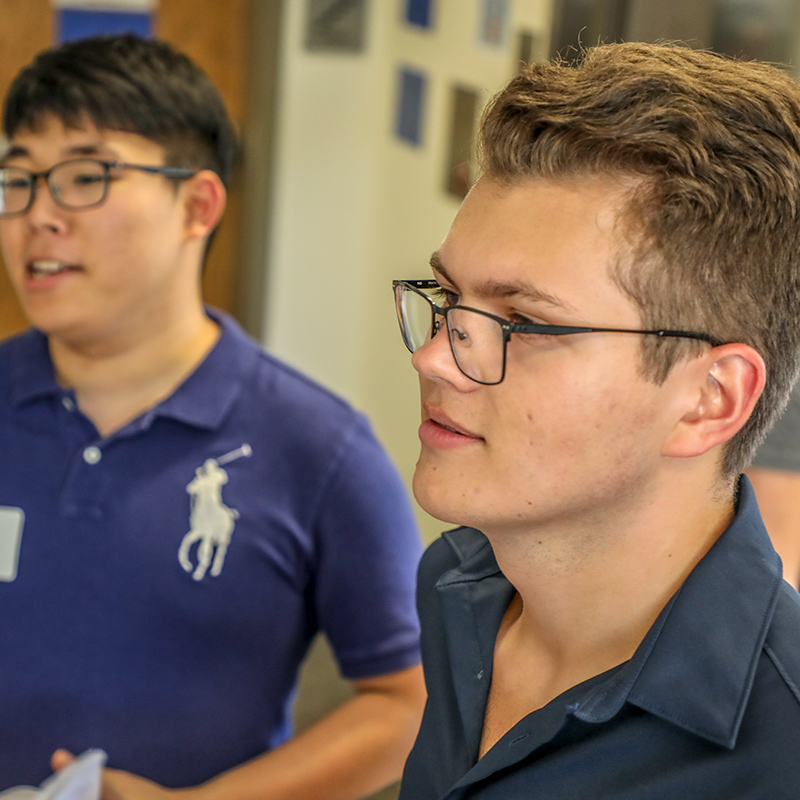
(68, 404)
(92, 454)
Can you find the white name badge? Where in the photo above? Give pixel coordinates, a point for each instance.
(11, 521)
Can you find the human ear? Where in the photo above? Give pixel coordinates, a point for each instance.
(205, 199)
(722, 388)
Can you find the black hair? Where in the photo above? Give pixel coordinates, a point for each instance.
(125, 83)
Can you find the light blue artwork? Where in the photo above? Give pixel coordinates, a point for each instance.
(410, 105)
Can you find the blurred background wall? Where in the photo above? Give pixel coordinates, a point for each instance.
(357, 120)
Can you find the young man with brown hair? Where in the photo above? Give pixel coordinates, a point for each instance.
(610, 330)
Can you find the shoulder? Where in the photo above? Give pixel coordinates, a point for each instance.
(782, 643)
(273, 390)
(316, 443)
(27, 343)
(767, 742)
(278, 381)
(24, 361)
(289, 385)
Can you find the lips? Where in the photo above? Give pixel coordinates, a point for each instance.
(448, 424)
(42, 268)
(442, 432)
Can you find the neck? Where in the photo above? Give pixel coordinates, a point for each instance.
(589, 593)
(117, 379)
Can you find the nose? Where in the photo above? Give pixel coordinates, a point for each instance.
(44, 212)
(435, 361)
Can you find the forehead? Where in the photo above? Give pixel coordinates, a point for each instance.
(550, 240)
(52, 139)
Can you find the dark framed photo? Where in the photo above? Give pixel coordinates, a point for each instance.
(336, 25)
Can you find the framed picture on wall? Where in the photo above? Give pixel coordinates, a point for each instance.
(459, 163)
(531, 48)
(336, 25)
(493, 23)
(409, 116)
(767, 30)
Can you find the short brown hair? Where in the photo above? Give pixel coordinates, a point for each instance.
(711, 233)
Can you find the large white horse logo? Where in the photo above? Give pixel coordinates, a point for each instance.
(211, 522)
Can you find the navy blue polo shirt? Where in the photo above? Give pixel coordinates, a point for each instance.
(708, 707)
(169, 577)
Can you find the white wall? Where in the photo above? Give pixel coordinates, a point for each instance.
(356, 207)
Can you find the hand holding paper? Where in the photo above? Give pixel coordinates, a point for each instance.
(78, 781)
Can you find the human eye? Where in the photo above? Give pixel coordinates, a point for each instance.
(14, 181)
(15, 177)
(444, 297)
(78, 175)
(86, 177)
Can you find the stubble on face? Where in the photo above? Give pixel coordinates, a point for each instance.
(570, 434)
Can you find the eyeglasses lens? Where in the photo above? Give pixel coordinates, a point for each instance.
(416, 316)
(78, 184)
(477, 342)
(74, 184)
(475, 339)
(16, 190)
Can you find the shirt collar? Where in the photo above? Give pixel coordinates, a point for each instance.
(202, 400)
(699, 661)
(696, 666)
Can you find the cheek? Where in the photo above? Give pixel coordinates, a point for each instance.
(594, 411)
(126, 238)
(10, 238)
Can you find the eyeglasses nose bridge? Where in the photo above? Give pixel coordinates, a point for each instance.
(441, 323)
(437, 324)
(56, 191)
(429, 357)
(45, 177)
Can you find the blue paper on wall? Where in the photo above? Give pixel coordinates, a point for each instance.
(410, 105)
(79, 23)
(418, 12)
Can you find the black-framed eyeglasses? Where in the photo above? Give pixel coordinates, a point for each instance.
(74, 184)
(479, 339)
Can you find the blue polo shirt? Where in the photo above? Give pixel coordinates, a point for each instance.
(708, 707)
(169, 577)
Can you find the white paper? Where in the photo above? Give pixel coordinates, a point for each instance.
(11, 522)
(79, 781)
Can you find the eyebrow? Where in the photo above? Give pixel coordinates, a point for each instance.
(19, 151)
(15, 151)
(505, 289)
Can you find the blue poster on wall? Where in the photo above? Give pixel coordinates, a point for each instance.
(78, 23)
(410, 105)
(418, 12)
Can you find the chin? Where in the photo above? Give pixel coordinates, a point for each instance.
(438, 501)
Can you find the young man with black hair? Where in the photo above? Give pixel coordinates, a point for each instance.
(189, 511)
(610, 330)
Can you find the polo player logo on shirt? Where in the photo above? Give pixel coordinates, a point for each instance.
(211, 522)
